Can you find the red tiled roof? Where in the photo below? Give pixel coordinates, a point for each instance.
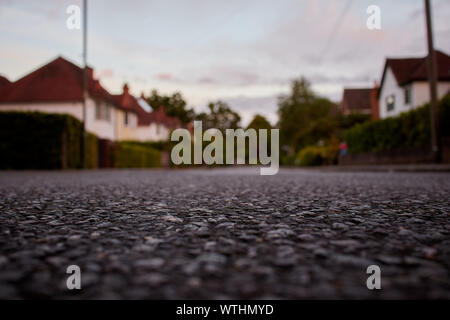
(4, 81)
(129, 102)
(158, 116)
(357, 99)
(407, 70)
(360, 100)
(59, 80)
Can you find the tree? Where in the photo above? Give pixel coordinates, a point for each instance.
(174, 106)
(259, 122)
(220, 116)
(304, 118)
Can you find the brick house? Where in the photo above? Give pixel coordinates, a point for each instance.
(360, 100)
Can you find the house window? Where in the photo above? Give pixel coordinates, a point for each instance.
(98, 111)
(390, 102)
(407, 93)
(126, 119)
(108, 113)
(102, 111)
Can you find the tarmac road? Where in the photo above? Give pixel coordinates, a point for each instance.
(224, 233)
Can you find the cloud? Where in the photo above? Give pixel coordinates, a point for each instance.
(165, 77)
(324, 79)
(207, 80)
(248, 107)
(246, 54)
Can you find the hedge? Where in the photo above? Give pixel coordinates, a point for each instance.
(312, 156)
(409, 129)
(133, 155)
(91, 151)
(318, 155)
(33, 140)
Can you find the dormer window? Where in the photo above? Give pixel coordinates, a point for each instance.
(390, 102)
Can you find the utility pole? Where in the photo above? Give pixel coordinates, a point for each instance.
(432, 82)
(85, 84)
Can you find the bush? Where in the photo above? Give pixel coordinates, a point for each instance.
(34, 140)
(91, 151)
(133, 155)
(312, 156)
(326, 154)
(348, 121)
(409, 129)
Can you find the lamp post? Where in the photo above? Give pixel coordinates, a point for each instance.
(85, 84)
(432, 82)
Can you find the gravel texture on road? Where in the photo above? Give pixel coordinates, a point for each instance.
(224, 233)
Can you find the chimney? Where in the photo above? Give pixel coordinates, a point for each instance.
(376, 85)
(126, 90)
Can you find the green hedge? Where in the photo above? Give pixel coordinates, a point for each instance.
(312, 156)
(132, 154)
(409, 129)
(91, 150)
(318, 155)
(33, 140)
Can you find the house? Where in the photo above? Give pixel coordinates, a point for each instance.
(57, 87)
(159, 123)
(404, 83)
(148, 124)
(128, 119)
(360, 100)
(151, 125)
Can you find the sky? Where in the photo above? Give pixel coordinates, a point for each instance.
(244, 52)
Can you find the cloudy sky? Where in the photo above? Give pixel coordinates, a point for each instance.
(245, 52)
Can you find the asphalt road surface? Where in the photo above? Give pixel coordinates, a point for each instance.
(224, 233)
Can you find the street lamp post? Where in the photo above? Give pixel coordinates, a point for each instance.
(432, 82)
(85, 84)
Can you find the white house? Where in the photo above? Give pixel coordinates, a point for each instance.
(404, 83)
(57, 87)
(152, 125)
